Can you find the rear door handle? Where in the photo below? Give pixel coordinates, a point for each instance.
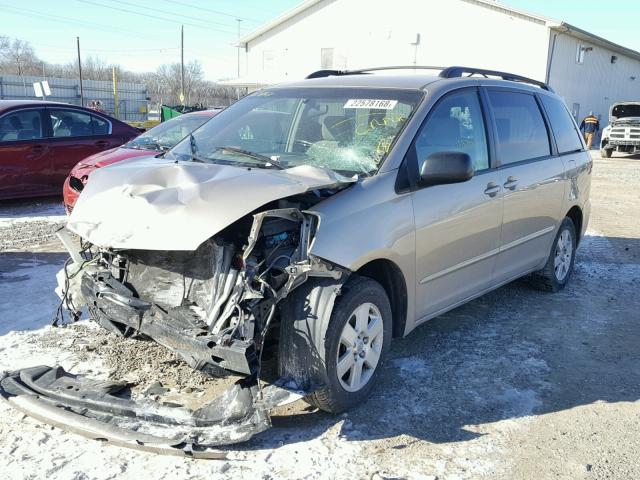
(511, 183)
(102, 143)
(492, 189)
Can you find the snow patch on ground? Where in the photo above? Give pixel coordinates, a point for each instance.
(27, 297)
(410, 366)
(48, 211)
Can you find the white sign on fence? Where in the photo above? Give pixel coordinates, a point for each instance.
(41, 89)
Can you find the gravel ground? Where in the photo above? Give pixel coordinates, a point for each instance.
(518, 384)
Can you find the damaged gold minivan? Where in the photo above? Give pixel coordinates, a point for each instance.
(307, 225)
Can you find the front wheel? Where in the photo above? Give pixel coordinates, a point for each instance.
(557, 271)
(342, 350)
(606, 152)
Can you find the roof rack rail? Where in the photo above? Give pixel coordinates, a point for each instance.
(445, 72)
(331, 73)
(453, 72)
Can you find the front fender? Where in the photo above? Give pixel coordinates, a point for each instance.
(367, 222)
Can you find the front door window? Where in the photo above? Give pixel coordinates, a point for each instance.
(455, 125)
(21, 125)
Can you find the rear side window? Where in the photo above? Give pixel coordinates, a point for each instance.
(72, 123)
(564, 130)
(521, 131)
(100, 126)
(21, 125)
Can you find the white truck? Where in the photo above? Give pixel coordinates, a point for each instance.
(623, 132)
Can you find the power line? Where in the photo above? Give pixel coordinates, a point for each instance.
(106, 50)
(155, 9)
(217, 12)
(73, 21)
(148, 15)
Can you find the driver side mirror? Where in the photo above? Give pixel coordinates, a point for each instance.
(446, 167)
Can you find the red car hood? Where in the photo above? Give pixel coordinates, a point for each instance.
(102, 159)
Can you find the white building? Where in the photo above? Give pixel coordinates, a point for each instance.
(588, 71)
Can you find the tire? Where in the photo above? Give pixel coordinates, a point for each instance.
(557, 271)
(312, 340)
(606, 152)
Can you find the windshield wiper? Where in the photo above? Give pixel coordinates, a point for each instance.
(257, 156)
(194, 150)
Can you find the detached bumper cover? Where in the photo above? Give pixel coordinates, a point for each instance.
(101, 410)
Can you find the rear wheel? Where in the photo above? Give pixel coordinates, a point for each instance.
(341, 350)
(557, 271)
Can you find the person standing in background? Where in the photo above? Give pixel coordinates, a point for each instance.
(589, 127)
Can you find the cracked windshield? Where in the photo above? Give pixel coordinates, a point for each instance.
(347, 131)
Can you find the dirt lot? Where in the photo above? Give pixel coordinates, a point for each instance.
(518, 384)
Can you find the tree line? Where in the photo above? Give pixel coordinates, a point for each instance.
(17, 57)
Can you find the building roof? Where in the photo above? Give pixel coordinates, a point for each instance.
(564, 27)
(294, 12)
(556, 25)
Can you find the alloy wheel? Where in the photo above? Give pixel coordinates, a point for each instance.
(360, 347)
(564, 252)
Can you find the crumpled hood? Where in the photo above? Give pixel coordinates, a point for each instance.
(158, 204)
(621, 110)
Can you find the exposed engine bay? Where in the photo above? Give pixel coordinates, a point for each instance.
(213, 306)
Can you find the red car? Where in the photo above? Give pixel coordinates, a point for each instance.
(41, 141)
(158, 139)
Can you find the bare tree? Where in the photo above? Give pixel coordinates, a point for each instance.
(163, 86)
(95, 68)
(18, 57)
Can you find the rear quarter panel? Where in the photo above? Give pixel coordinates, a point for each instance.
(578, 185)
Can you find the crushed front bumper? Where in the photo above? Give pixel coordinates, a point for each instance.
(102, 410)
(114, 307)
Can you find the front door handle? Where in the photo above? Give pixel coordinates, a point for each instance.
(511, 183)
(102, 143)
(492, 189)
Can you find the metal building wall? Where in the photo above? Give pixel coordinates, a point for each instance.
(366, 34)
(595, 84)
(132, 97)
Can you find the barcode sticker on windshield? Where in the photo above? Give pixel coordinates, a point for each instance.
(370, 103)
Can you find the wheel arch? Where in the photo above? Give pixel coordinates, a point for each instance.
(388, 274)
(576, 216)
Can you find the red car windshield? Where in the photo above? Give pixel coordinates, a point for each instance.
(167, 134)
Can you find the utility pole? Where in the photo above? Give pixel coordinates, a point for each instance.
(238, 20)
(415, 50)
(182, 65)
(80, 73)
(116, 102)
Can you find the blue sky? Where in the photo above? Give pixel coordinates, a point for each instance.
(142, 34)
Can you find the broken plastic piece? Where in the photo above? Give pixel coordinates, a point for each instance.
(102, 410)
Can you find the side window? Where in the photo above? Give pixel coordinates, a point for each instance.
(564, 129)
(21, 125)
(455, 125)
(99, 126)
(521, 130)
(72, 123)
